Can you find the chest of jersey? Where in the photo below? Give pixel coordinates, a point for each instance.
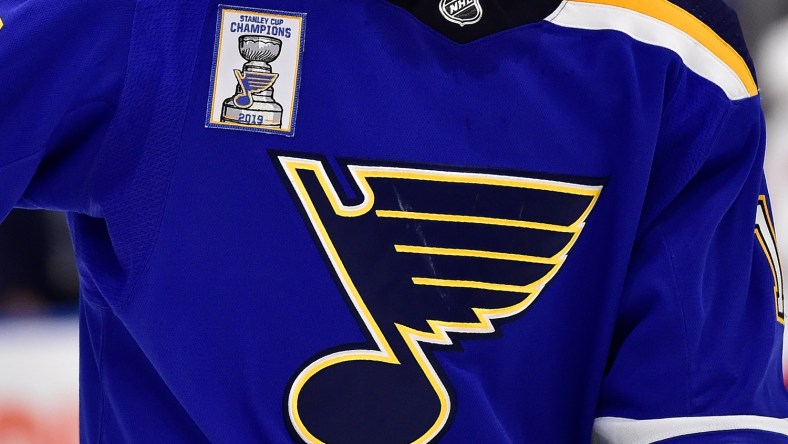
(370, 213)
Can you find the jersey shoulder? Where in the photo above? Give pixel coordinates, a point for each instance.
(705, 34)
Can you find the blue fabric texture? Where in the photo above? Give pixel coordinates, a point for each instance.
(208, 286)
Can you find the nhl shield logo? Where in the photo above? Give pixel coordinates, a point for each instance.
(461, 12)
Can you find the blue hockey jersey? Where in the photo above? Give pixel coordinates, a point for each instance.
(397, 221)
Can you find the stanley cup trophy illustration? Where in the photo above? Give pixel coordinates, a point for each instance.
(253, 102)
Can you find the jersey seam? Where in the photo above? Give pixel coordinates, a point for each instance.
(680, 82)
(674, 279)
(102, 151)
(685, 336)
(92, 301)
(122, 89)
(146, 263)
(557, 12)
(23, 158)
(706, 148)
(125, 300)
(20, 194)
(87, 186)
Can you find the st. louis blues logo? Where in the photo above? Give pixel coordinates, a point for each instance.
(251, 83)
(461, 12)
(423, 255)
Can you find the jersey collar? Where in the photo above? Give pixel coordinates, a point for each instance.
(493, 15)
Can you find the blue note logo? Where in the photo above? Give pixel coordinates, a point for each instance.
(425, 256)
(256, 72)
(252, 84)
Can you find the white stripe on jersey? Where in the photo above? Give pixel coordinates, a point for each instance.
(609, 430)
(647, 29)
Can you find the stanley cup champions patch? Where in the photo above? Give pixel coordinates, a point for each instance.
(256, 70)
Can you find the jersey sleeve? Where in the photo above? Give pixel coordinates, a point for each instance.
(63, 67)
(697, 350)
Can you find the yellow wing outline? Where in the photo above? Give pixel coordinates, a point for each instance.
(766, 236)
(439, 330)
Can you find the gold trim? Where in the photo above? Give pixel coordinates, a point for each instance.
(476, 254)
(684, 21)
(476, 220)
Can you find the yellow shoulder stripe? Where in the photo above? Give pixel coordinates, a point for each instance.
(684, 21)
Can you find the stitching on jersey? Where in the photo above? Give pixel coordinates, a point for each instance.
(685, 336)
(23, 158)
(557, 12)
(145, 265)
(707, 147)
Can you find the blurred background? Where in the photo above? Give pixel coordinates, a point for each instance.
(39, 288)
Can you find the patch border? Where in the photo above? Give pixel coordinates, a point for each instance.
(289, 132)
